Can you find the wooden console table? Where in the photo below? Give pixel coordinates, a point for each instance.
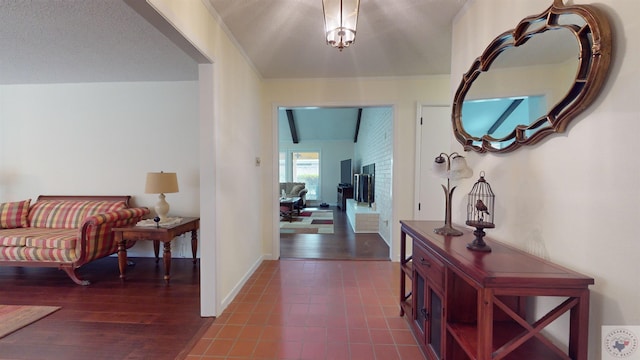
(157, 235)
(463, 304)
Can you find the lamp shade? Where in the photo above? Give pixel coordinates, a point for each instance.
(340, 21)
(459, 168)
(440, 167)
(161, 183)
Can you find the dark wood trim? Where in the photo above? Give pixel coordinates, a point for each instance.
(355, 137)
(292, 126)
(514, 105)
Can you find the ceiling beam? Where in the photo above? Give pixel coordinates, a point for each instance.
(514, 104)
(355, 137)
(292, 126)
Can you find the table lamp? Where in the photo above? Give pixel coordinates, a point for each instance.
(161, 183)
(452, 167)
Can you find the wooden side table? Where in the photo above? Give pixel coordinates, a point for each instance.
(157, 235)
(288, 206)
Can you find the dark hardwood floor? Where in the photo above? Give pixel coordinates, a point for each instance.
(141, 318)
(343, 244)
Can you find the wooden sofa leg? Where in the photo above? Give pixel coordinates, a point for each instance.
(72, 274)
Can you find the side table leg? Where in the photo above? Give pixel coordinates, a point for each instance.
(194, 244)
(166, 257)
(122, 254)
(156, 249)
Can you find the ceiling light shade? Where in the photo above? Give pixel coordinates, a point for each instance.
(340, 21)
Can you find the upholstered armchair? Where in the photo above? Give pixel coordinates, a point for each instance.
(295, 189)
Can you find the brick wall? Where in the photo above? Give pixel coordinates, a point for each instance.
(375, 145)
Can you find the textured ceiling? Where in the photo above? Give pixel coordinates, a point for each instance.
(61, 41)
(71, 41)
(285, 39)
(66, 41)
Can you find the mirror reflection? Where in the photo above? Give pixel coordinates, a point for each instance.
(532, 80)
(523, 85)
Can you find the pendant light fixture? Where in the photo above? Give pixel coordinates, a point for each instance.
(340, 21)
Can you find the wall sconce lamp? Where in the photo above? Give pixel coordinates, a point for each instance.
(161, 183)
(480, 210)
(453, 167)
(340, 21)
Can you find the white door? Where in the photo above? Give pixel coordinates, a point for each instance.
(432, 138)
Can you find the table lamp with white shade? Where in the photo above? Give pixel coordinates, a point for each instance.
(161, 183)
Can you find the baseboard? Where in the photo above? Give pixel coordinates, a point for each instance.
(236, 289)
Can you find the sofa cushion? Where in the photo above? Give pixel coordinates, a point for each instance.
(14, 214)
(68, 214)
(39, 244)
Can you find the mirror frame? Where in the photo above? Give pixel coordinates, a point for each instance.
(594, 41)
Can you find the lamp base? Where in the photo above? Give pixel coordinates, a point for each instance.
(162, 208)
(478, 243)
(447, 230)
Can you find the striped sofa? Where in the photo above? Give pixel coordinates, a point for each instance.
(63, 231)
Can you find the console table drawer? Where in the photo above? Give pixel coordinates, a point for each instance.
(432, 267)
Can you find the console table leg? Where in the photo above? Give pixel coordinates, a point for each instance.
(194, 244)
(166, 257)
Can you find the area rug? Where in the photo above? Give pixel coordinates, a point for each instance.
(15, 317)
(309, 222)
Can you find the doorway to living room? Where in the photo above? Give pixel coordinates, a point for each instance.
(320, 228)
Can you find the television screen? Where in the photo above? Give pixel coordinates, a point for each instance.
(346, 172)
(369, 169)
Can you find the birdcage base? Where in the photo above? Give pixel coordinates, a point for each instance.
(478, 243)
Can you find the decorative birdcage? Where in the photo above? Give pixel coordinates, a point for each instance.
(480, 212)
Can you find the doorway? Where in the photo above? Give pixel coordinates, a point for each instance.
(361, 134)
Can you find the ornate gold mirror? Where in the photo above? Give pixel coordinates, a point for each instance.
(531, 81)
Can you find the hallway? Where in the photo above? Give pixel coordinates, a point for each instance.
(308, 309)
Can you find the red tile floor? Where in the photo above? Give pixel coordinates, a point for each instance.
(313, 309)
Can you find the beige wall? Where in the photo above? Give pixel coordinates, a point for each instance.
(402, 93)
(230, 191)
(573, 198)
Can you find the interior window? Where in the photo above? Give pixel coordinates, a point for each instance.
(305, 167)
(283, 166)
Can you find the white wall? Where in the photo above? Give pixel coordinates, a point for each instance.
(572, 198)
(402, 93)
(101, 139)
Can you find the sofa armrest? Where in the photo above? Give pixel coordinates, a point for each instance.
(96, 238)
(121, 217)
(303, 192)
